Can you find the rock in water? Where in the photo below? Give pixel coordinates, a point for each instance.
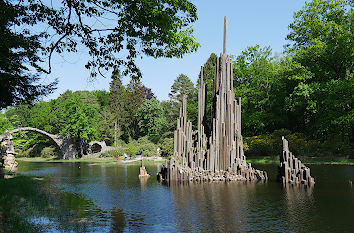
(291, 170)
(143, 172)
(220, 156)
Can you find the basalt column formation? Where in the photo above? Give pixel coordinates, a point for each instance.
(291, 170)
(7, 154)
(220, 156)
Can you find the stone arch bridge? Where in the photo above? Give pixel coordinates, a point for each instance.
(65, 145)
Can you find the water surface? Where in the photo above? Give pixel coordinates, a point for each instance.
(114, 199)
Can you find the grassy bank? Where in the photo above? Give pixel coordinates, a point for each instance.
(24, 199)
(106, 161)
(305, 160)
(15, 195)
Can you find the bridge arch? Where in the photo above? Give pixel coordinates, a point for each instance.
(65, 145)
(58, 141)
(97, 146)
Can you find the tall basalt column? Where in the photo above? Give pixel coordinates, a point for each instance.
(218, 156)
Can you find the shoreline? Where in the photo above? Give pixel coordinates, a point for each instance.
(159, 160)
(94, 161)
(304, 160)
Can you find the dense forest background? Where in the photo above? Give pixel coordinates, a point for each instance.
(305, 94)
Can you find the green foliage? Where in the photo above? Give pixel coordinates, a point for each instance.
(4, 123)
(136, 97)
(146, 147)
(166, 146)
(154, 28)
(182, 86)
(171, 112)
(112, 153)
(48, 152)
(151, 119)
(300, 145)
(132, 148)
(321, 37)
(19, 53)
(208, 78)
(255, 73)
(118, 109)
(76, 117)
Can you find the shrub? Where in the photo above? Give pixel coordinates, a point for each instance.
(132, 148)
(146, 147)
(299, 144)
(48, 152)
(34, 151)
(167, 146)
(112, 153)
(262, 145)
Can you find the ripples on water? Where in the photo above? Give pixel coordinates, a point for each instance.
(112, 198)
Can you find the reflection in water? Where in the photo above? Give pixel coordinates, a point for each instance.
(215, 207)
(299, 205)
(143, 181)
(111, 198)
(118, 220)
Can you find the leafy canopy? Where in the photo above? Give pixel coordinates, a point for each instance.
(18, 56)
(113, 33)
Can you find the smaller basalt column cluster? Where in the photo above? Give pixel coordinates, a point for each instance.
(143, 172)
(7, 155)
(291, 170)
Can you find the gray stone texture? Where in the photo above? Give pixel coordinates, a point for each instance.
(220, 157)
(291, 170)
(66, 145)
(7, 155)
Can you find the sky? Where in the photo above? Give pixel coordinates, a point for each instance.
(250, 22)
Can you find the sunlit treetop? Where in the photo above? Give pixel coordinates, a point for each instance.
(115, 32)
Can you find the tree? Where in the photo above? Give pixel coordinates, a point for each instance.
(18, 52)
(171, 113)
(38, 116)
(42, 116)
(32, 31)
(136, 97)
(76, 118)
(208, 78)
(209, 71)
(182, 86)
(321, 39)
(5, 124)
(148, 93)
(151, 119)
(254, 75)
(268, 86)
(118, 102)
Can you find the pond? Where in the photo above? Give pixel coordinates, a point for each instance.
(114, 199)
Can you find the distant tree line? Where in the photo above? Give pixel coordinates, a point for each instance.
(306, 93)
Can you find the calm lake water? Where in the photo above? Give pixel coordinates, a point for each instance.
(113, 199)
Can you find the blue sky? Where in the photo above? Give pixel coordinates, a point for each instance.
(251, 22)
